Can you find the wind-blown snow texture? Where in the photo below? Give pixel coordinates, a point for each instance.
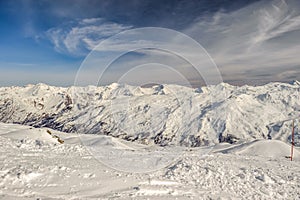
(163, 114)
(36, 166)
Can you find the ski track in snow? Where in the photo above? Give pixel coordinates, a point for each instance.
(35, 167)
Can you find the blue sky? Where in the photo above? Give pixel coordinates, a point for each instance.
(252, 42)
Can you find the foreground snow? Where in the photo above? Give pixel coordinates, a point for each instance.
(34, 164)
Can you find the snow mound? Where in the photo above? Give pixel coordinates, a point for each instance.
(39, 137)
(269, 148)
(265, 148)
(103, 142)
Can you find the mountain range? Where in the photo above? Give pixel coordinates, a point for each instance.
(161, 114)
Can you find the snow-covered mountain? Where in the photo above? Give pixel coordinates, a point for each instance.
(162, 114)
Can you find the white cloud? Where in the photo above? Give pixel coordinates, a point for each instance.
(259, 41)
(276, 20)
(140, 46)
(79, 37)
(263, 35)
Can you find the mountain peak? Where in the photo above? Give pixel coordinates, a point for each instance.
(294, 82)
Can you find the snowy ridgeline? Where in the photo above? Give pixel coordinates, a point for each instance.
(162, 114)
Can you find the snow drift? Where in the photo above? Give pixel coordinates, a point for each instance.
(35, 166)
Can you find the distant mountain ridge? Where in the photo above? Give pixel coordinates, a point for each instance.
(161, 114)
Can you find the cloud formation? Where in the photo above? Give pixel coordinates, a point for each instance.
(251, 44)
(276, 20)
(255, 44)
(79, 37)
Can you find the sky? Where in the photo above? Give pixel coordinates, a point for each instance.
(58, 42)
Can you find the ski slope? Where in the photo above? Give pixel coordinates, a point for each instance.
(34, 165)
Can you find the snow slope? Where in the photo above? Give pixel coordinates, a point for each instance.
(162, 114)
(51, 170)
(264, 148)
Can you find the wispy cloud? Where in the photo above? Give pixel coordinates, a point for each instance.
(276, 20)
(256, 41)
(260, 36)
(78, 37)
